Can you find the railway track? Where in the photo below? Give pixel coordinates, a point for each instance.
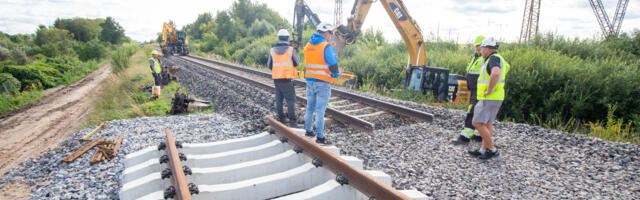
(350, 109)
(279, 164)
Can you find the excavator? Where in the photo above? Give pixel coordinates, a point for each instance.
(418, 76)
(174, 41)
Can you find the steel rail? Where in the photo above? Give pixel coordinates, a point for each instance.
(357, 178)
(335, 114)
(393, 108)
(178, 179)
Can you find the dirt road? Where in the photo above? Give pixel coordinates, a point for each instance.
(41, 127)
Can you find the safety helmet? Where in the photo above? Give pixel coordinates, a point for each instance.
(154, 52)
(478, 40)
(283, 32)
(489, 42)
(324, 27)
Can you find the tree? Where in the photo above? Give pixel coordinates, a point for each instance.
(82, 29)
(111, 31)
(261, 28)
(54, 42)
(195, 29)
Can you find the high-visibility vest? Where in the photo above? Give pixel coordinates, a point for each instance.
(483, 80)
(314, 61)
(156, 65)
(283, 65)
(474, 66)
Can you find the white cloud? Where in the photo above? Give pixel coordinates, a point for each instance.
(452, 20)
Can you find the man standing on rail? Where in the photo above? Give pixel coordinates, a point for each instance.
(156, 69)
(283, 61)
(473, 70)
(491, 82)
(321, 67)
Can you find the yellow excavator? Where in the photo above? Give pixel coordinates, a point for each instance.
(418, 76)
(174, 41)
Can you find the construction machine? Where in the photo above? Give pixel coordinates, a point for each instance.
(174, 41)
(418, 76)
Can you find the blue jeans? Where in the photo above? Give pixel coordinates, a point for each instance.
(318, 93)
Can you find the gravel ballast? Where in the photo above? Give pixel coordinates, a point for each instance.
(534, 163)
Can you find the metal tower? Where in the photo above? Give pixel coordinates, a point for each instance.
(609, 28)
(337, 13)
(530, 20)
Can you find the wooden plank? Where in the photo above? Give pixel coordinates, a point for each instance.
(97, 157)
(82, 150)
(117, 145)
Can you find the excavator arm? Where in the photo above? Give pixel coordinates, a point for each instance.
(300, 11)
(397, 11)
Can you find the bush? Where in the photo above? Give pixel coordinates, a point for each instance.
(91, 50)
(261, 28)
(4, 53)
(9, 84)
(120, 58)
(19, 55)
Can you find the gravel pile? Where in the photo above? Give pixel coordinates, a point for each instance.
(535, 163)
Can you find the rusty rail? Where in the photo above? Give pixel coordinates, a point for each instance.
(363, 182)
(335, 114)
(178, 179)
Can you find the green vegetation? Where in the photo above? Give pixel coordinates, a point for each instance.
(555, 82)
(123, 97)
(52, 56)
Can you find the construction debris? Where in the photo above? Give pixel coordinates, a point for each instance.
(181, 103)
(82, 150)
(86, 137)
(107, 149)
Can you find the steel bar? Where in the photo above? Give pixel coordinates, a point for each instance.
(178, 179)
(357, 178)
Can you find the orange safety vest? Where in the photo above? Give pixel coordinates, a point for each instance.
(283, 65)
(314, 60)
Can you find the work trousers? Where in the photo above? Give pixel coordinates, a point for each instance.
(473, 99)
(318, 93)
(285, 91)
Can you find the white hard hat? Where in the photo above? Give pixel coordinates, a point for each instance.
(283, 32)
(324, 27)
(489, 42)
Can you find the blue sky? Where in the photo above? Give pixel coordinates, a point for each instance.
(457, 20)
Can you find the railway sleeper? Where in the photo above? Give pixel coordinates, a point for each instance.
(255, 167)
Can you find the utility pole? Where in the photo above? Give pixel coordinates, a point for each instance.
(530, 20)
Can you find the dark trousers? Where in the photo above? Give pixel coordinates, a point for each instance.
(156, 80)
(473, 100)
(285, 91)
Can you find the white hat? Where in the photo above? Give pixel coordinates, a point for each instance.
(324, 27)
(489, 42)
(283, 32)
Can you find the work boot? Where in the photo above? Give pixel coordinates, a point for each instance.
(282, 119)
(475, 152)
(309, 134)
(293, 123)
(461, 140)
(489, 154)
(323, 141)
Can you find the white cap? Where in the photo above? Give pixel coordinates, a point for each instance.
(489, 42)
(283, 32)
(324, 27)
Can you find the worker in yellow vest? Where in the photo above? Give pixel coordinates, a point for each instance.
(490, 93)
(156, 69)
(321, 67)
(283, 61)
(469, 133)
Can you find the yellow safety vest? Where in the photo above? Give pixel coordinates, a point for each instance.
(483, 80)
(156, 65)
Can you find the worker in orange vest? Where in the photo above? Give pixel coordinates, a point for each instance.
(321, 65)
(283, 61)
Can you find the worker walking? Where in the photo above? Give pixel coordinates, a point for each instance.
(283, 61)
(473, 70)
(490, 93)
(156, 69)
(321, 67)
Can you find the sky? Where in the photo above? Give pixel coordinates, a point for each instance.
(457, 20)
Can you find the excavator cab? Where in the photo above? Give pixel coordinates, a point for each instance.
(427, 79)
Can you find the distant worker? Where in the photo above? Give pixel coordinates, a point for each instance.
(473, 70)
(156, 69)
(321, 67)
(283, 61)
(490, 93)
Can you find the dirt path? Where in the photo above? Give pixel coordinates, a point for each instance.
(41, 127)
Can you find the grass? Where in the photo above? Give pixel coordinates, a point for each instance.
(9, 103)
(122, 97)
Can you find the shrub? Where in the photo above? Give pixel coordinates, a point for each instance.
(261, 28)
(19, 55)
(9, 84)
(4, 53)
(120, 58)
(91, 50)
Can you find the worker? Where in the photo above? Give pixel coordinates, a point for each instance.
(490, 93)
(156, 69)
(283, 61)
(473, 69)
(321, 67)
